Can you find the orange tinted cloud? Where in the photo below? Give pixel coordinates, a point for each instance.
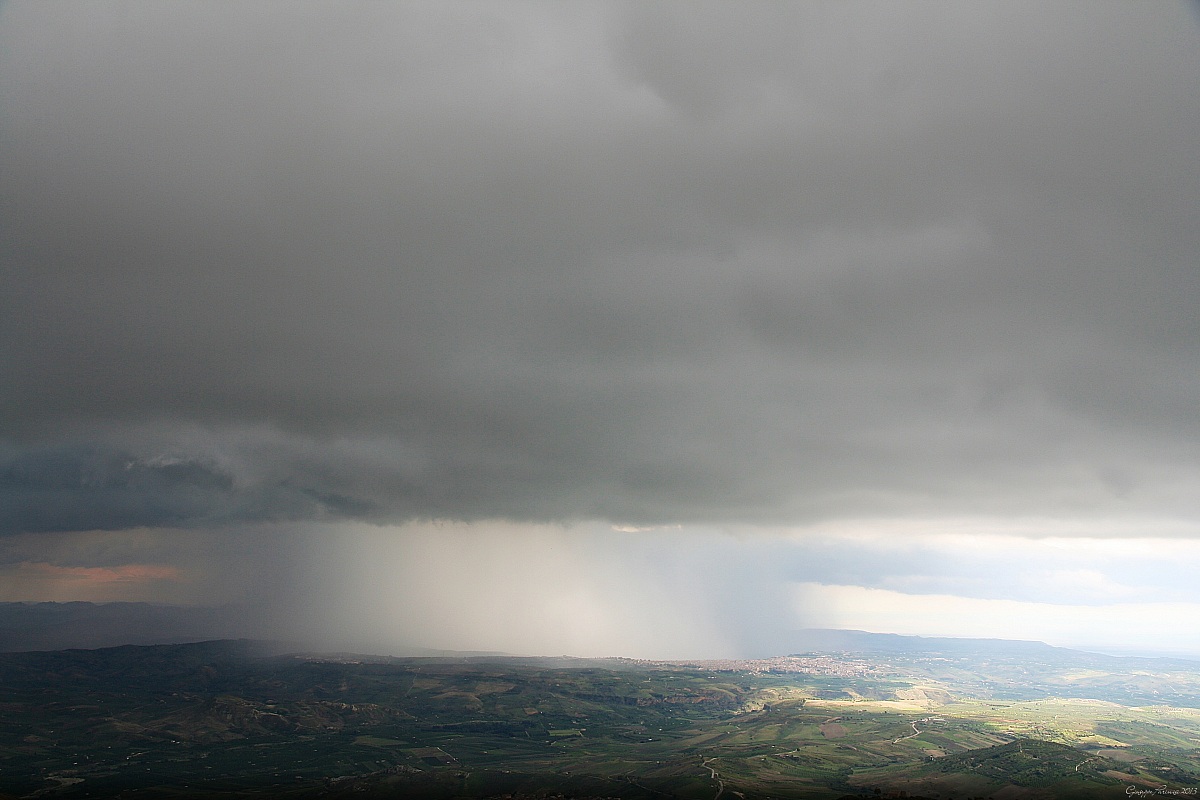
(100, 576)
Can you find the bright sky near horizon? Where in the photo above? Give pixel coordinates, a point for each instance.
(622, 328)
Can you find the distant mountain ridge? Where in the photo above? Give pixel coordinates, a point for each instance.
(829, 640)
(832, 640)
(27, 627)
(82, 625)
(61, 626)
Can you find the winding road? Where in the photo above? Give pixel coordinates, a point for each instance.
(915, 732)
(716, 776)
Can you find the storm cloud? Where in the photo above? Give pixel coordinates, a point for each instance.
(643, 263)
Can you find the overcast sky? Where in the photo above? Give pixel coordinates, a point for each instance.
(893, 306)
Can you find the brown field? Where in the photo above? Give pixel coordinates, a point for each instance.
(832, 730)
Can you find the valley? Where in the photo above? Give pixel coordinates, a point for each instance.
(240, 719)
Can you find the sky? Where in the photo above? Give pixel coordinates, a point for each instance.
(646, 329)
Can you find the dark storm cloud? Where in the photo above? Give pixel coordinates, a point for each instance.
(72, 488)
(647, 263)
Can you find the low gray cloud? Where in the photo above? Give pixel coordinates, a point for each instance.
(641, 263)
(73, 488)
